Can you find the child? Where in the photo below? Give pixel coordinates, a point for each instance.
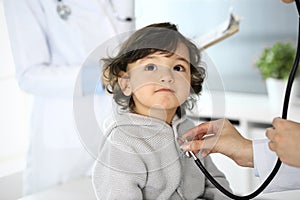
(153, 79)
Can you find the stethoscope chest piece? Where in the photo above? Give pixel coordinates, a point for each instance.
(63, 10)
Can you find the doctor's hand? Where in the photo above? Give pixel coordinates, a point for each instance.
(219, 136)
(285, 140)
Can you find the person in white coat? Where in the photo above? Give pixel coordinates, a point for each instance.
(50, 40)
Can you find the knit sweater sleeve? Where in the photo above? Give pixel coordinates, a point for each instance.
(118, 173)
(211, 192)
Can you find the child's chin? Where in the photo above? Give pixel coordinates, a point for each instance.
(164, 107)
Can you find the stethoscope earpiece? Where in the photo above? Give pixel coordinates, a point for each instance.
(63, 10)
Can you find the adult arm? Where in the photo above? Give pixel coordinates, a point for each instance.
(225, 139)
(219, 136)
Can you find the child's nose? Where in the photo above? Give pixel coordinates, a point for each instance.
(166, 76)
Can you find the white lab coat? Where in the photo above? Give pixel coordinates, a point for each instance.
(48, 53)
(287, 178)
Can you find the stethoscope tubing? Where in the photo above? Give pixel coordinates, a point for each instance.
(284, 116)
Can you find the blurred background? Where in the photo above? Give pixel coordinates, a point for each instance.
(262, 23)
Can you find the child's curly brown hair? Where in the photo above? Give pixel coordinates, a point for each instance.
(161, 37)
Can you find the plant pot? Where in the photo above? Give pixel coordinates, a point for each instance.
(276, 92)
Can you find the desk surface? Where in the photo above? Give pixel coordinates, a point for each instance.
(291, 195)
(82, 190)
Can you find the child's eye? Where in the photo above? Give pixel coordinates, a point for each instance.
(150, 67)
(179, 68)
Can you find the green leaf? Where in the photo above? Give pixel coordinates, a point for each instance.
(276, 61)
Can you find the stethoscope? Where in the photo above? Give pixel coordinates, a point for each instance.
(284, 116)
(64, 11)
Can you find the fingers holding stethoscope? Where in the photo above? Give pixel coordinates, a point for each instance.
(278, 136)
(193, 138)
(203, 137)
(272, 133)
(219, 136)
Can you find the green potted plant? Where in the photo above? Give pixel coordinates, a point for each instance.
(276, 61)
(275, 64)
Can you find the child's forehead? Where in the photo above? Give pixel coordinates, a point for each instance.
(181, 53)
(159, 55)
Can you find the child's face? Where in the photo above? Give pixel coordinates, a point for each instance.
(160, 81)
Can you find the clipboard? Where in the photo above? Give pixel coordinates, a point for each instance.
(225, 30)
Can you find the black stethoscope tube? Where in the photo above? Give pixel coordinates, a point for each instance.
(284, 116)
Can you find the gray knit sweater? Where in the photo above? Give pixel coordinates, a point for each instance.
(141, 159)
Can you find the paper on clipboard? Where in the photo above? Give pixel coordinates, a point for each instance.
(226, 29)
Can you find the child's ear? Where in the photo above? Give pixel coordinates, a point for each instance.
(124, 83)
